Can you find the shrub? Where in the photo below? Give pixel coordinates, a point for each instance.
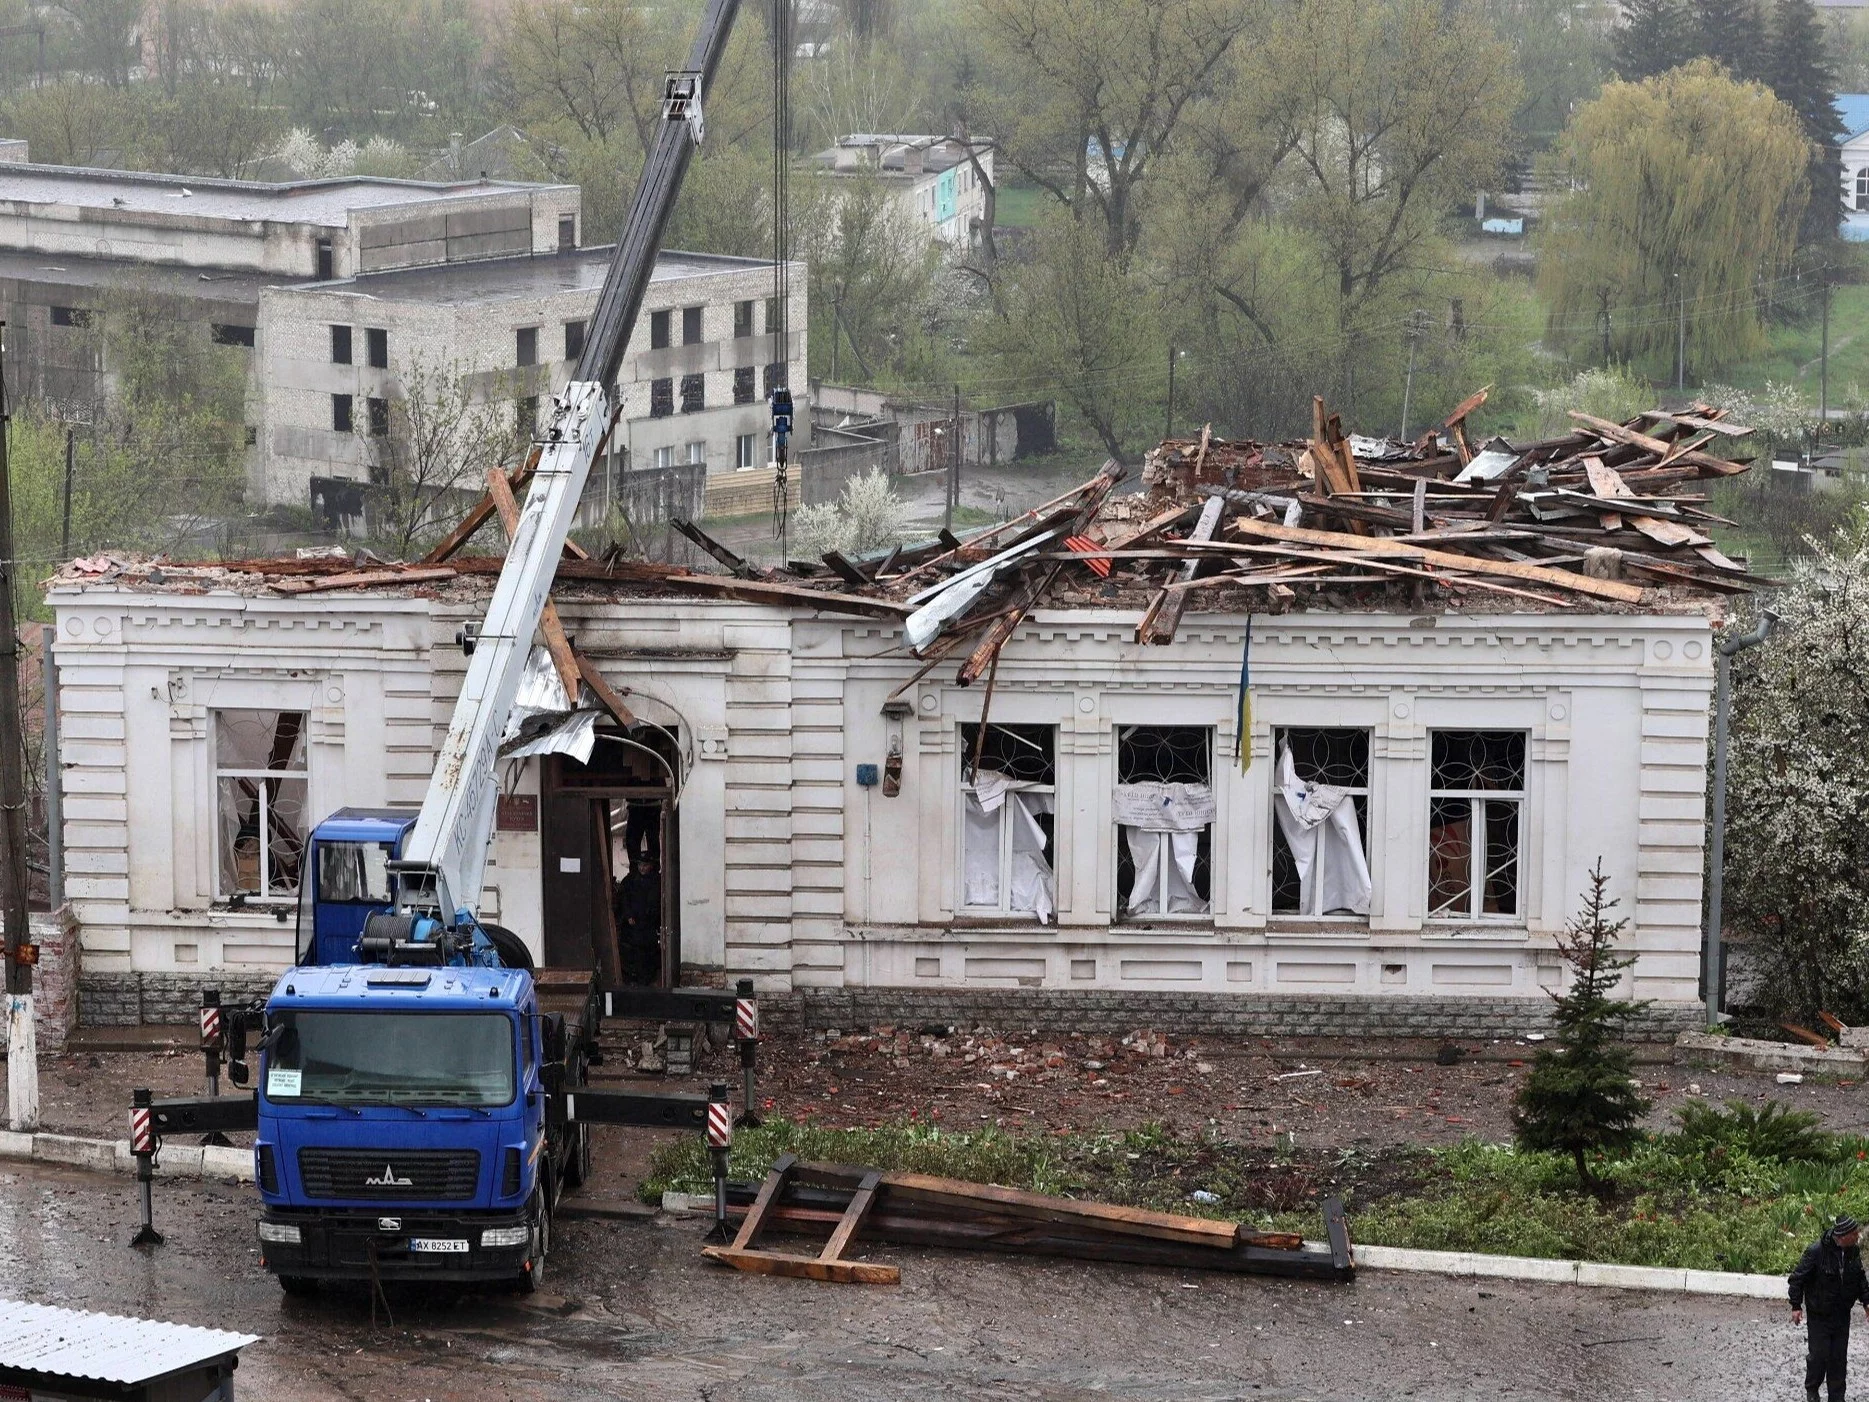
(1769, 1132)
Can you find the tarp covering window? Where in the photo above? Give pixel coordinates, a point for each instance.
(1318, 822)
(1162, 825)
(1003, 840)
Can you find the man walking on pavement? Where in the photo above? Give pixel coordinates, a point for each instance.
(1826, 1283)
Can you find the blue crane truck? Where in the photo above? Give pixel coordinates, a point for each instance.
(419, 1112)
(422, 1100)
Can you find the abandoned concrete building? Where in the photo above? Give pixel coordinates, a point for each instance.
(1388, 844)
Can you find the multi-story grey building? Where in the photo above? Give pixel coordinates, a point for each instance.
(339, 288)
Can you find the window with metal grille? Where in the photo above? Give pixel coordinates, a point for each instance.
(1320, 828)
(744, 385)
(340, 345)
(693, 393)
(574, 339)
(260, 802)
(341, 413)
(528, 345)
(742, 320)
(658, 330)
(376, 347)
(1008, 783)
(691, 326)
(379, 417)
(1164, 805)
(661, 398)
(227, 333)
(1476, 802)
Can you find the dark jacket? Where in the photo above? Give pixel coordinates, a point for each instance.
(1829, 1279)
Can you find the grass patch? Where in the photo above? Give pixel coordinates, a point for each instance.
(1708, 1197)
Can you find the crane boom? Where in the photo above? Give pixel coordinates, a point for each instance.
(443, 862)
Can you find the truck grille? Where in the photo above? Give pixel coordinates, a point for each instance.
(389, 1173)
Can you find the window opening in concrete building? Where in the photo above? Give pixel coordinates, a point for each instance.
(253, 436)
(691, 326)
(746, 452)
(528, 345)
(661, 398)
(260, 802)
(745, 385)
(528, 416)
(1007, 820)
(775, 377)
(773, 306)
(611, 858)
(574, 339)
(1164, 807)
(567, 232)
(341, 413)
(376, 346)
(71, 316)
(327, 261)
(1476, 798)
(693, 393)
(379, 416)
(340, 345)
(665, 456)
(742, 320)
(1320, 821)
(697, 453)
(1862, 188)
(658, 330)
(228, 333)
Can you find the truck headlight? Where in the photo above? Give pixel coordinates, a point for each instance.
(282, 1232)
(506, 1236)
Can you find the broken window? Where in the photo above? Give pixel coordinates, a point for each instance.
(379, 417)
(71, 316)
(1008, 802)
(691, 326)
(661, 398)
(341, 413)
(376, 346)
(743, 385)
(775, 307)
(567, 232)
(658, 330)
(327, 261)
(1320, 810)
(1164, 805)
(742, 320)
(1475, 801)
(693, 393)
(527, 348)
(340, 345)
(574, 339)
(260, 802)
(227, 333)
(775, 377)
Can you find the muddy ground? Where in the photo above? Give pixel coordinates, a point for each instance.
(1314, 1094)
(629, 1310)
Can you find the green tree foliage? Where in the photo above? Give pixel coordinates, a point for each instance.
(1687, 188)
(1560, 52)
(872, 278)
(1654, 36)
(1578, 1098)
(1797, 849)
(1731, 33)
(97, 35)
(1799, 70)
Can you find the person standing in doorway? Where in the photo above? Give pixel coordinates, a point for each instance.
(639, 922)
(1825, 1286)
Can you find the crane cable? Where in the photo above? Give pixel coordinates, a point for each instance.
(778, 318)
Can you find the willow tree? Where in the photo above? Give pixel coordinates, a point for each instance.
(1687, 190)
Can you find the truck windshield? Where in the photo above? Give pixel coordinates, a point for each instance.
(339, 1058)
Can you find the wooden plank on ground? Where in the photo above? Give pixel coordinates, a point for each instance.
(1469, 564)
(1605, 481)
(902, 1188)
(861, 1202)
(805, 1267)
(1658, 446)
(769, 1194)
(1666, 532)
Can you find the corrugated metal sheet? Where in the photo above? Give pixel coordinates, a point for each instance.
(104, 1347)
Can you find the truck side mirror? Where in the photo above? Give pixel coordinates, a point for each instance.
(552, 1034)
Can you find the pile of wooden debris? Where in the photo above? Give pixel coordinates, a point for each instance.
(914, 1209)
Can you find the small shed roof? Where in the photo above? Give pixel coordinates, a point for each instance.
(110, 1348)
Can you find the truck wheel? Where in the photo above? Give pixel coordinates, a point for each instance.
(578, 1161)
(299, 1287)
(512, 950)
(541, 1244)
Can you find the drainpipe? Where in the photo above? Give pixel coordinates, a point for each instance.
(1727, 648)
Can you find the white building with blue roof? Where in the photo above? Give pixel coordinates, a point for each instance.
(1854, 107)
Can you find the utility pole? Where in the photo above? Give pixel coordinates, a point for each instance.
(1414, 329)
(953, 463)
(1168, 428)
(1680, 346)
(1823, 377)
(71, 463)
(22, 1051)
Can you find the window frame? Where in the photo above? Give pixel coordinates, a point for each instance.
(693, 326)
(377, 416)
(218, 772)
(575, 332)
(343, 413)
(694, 393)
(743, 319)
(1122, 914)
(1477, 827)
(745, 384)
(660, 329)
(1862, 188)
(233, 333)
(526, 346)
(376, 347)
(342, 348)
(1003, 911)
(1365, 822)
(662, 397)
(745, 452)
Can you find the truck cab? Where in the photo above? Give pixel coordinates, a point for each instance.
(351, 852)
(402, 1125)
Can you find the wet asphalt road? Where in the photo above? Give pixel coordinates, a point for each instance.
(629, 1310)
